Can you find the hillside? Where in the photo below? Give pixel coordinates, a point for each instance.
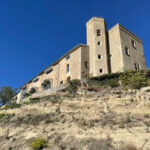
(111, 119)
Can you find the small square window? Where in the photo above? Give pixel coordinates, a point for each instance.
(67, 68)
(86, 64)
(100, 70)
(98, 43)
(99, 57)
(98, 32)
(68, 57)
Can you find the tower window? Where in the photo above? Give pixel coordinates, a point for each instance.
(86, 64)
(133, 43)
(135, 66)
(98, 32)
(139, 67)
(100, 70)
(99, 57)
(67, 68)
(98, 43)
(127, 51)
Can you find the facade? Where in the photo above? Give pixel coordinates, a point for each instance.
(107, 51)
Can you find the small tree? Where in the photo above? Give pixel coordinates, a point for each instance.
(6, 94)
(72, 86)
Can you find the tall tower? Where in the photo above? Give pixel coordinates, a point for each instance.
(97, 41)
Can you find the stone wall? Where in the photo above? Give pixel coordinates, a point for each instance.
(115, 49)
(121, 39)
(136, 54)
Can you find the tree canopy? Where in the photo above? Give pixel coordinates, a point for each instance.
(6, 94)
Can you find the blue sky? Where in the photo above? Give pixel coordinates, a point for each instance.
(34, 33)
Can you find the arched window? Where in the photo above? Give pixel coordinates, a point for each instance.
(46, 84)
(32, 90)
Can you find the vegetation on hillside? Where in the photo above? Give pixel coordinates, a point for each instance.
(39, 143)
(6, 94)
(128, 79)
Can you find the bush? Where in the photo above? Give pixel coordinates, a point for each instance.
(39, 143)
(72, 86)
(104, 83)
(4, 116)
(133, 79)
(12, 106)
(34, 100)
(106, 77)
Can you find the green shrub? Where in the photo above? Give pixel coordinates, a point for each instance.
(72, 86)
(133, 79)
(12, 106)
(114, 83)
(4, 116)
(106, 76)
(35, 100)
(39, 143)
(105, 80)
(104, 83)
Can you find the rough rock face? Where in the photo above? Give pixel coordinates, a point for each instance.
(111, 119)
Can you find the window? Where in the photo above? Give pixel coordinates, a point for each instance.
(139, 67)
(46, 84)
(24, 88)
(86, 64)
(135, 66)
(99, 43)
(133, 43)
(127, 51)
(99, 57)
(32, 91)
(35, 80)
(100, 70)
(49, 70)
(61, 82)
(68, 57)
(67, 68)
(98, 32)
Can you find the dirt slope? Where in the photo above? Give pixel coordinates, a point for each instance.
(111, 119)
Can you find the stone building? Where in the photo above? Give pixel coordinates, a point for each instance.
(106, 51)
